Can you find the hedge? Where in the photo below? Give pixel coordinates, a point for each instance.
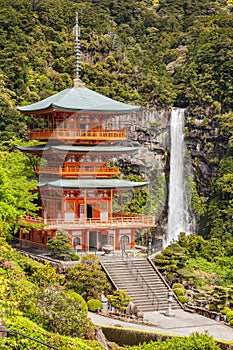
(125, 336)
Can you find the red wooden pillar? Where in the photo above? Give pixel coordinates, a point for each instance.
(117, 239)
(20, 238)
(133, 238)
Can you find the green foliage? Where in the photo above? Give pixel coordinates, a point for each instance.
(177, 285)
(62, 312)
(197, 246)
(179, 291)
(94, 305)
(27, 327)
(119, 300)
(229, 316)
(220, 297)
(197, 341)
(17, 195)
(60, 245)
(202, 263)
(40, 298)
(145, 52)
(198, 202)
(170, 261)
(87, 278)
(225, 310)
(182, 299)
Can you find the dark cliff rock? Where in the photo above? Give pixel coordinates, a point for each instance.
(206, 147)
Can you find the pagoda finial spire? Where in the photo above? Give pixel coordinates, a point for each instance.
(77, 81)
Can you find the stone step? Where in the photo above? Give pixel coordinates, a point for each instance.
(120, 273)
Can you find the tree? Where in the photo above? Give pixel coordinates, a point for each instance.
(18, 196)
(63, 312)
(119, 300)
(60, 245)
(87, 278)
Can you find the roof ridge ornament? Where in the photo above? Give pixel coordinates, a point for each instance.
(77, 81)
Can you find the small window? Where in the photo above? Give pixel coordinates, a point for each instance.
(111, 240)
(82, 209)
(103, 205)
(69, 206)
(124, 239)
(76, 241)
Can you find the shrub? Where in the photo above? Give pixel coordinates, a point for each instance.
(225, 310)
(87, 278)
(94, 304)
(177, 285)
(143, 340)
(64, 313)
(119, 300)
(182, 299)
(80, 299)
(32, 329)
(179, 291)
(229, 316)
(75, 257)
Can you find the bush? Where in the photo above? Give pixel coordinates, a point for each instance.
(177, 285)
(62, 312)
(87, 278)
(143, 340)
(31, 329)
(179, 291)
(94, 304)
(119, 300)
(75, 257)
(225, 310)
(182, 299)
(229, 316)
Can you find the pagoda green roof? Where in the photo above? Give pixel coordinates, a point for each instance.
(105, 148)
(93, 184)
(79, 99)
(33, 149)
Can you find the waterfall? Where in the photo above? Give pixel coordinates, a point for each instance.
(180, 218)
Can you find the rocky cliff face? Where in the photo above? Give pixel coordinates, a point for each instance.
(206, 147)
(150, 131)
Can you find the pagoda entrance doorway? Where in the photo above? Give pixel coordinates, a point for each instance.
(89, 211)
(93, 240)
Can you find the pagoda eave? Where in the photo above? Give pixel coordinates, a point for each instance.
(90, 184)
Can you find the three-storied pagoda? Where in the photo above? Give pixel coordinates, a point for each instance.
(81, 131)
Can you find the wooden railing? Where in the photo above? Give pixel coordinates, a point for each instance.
(79, 171)
(142, 220)
(33, 220)
(80, 134)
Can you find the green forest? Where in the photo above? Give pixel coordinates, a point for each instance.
(152, 53)
(156, 54)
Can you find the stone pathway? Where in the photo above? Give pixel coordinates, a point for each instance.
(183, 323)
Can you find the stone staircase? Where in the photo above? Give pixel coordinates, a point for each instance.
(142, 282)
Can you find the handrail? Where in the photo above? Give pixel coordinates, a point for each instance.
(27, 336)
(115, 221)
(77, 170)
(77, 133)
(143, 281)
(164, 281)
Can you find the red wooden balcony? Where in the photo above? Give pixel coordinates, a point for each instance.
(78, 134)
(79, 170)
(139, 221)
